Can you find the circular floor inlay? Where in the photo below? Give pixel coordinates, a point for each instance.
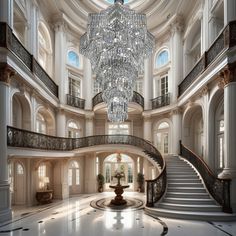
(104, 204)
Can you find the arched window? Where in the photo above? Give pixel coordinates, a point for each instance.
(41, 125)
(44, 48)
(73, 59)
(163, 137)
(73, 130)
(162, 58)
(73, 173)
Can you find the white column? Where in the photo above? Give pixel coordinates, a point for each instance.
(147, 128)
(148, 84)
(228, 76)
(176, 58)
(32, 30)
(177, 131)
(89, 129)
(87, 84)
(6, 12)
(90, 182)
(61, 124)
(229, 11)
(60, 59)
(5, 205)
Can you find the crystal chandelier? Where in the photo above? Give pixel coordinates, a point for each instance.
(117, 42)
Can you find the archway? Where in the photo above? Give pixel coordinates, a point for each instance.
(193, 129)
(163, 137)
(74, 177)
(118, 162)
(21, 112)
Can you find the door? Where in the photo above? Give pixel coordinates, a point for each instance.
(19, 184)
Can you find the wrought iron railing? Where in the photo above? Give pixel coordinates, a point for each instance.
(28, 139)
(10, 41)
(218, 188)
(137, 98)
(161, 101)
(75, 101)
(225, 40)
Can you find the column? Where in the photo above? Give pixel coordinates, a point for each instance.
(6, 12)
(176, 57)
(229, 11)
(90, 182)
(60, 58)
(61, 123)
(177, 130)
(87, 84)
(32, 30)
(229, 81)
(89, 129)
(148, 84)
(147, 128)
(5, 206)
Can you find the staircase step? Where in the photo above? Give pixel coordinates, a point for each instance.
(189, 201)
(187, 195)
(203, 216)
(193, 180)
(186, 189)
(183, 207)
(193, 185)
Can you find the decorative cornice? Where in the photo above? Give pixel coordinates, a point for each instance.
(6, 72)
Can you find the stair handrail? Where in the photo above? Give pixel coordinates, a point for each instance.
(29, 139)
(217, 187)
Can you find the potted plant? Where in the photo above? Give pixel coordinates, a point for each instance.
(101, 181)
(140, 180)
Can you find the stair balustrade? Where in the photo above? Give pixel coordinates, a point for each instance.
(28, 139)
(218, 188)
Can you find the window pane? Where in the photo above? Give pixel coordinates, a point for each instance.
(20, 170)
(70, 177)
(162, 58)
(73, 59)
(77, 176)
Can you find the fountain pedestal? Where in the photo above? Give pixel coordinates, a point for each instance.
(118, 200)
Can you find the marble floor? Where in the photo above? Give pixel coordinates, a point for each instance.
(75, 216)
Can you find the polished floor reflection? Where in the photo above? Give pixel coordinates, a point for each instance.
(76, 217)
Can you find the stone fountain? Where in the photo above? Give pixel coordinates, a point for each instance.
(119, 189)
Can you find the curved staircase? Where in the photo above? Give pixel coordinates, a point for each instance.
(186, 196)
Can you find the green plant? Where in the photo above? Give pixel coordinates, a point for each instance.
(140, 180)
(101, 181)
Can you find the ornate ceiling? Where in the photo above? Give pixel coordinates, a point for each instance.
(158, 12)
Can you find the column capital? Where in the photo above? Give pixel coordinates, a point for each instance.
(176, 111)
(6, 72)
(177, 25)
(59, 23)
(227, 75)
(89, 116)
(204, 91)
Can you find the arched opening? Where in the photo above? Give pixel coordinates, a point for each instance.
(193, 130)
(21, 112)
(74, 131)
(45, 122)
(163, 137)
(162, 58)
(17, 180)
(44, 174)
(122, 163)
(44, 48)
(192, 47)
(73, 59)
(74, 177)
(216, 132)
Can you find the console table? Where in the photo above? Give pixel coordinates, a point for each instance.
(44, 196)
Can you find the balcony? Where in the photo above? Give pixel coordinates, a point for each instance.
(9, 41)
(161, 101)
(224, 41)
(75, 101)
(137, 98)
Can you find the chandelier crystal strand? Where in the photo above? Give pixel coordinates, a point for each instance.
(117, 42)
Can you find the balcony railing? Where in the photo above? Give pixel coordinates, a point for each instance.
(224, 41)
(161, 101)
(218, 188)
(137, 98)
(75, 101)
(9, 40)
(27, 139)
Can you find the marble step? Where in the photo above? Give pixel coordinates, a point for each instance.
(183, 176)
(193, 180)
(189, 201)
(173, 194)
(186, 189)
(194, 185)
